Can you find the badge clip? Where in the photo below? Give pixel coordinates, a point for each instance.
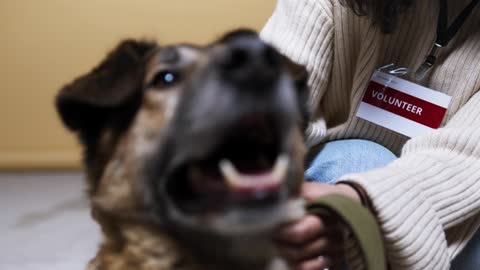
(422, 71)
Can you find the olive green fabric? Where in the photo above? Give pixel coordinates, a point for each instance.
(362, 224)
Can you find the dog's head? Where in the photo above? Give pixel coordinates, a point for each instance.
(200, 141)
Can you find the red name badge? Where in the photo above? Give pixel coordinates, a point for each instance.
(402, 106)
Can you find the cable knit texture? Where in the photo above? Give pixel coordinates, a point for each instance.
(428, 201)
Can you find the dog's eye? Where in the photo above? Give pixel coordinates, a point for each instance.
(165, 79)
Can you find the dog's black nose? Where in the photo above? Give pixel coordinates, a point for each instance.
(247, 59)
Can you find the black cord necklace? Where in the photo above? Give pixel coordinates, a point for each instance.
(445, 34)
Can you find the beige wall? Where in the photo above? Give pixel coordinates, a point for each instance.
(44, 44)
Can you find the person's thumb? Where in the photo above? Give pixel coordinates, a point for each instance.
(311, 191)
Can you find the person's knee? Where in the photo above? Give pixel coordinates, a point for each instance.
(368, 153)
(337, 158)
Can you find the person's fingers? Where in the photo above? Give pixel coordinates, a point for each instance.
(317, 263)
(312, 190)
(330, 245)
(301, 231)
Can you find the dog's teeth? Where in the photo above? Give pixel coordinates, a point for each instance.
(230, 173)
(281, 167)
(234, 178)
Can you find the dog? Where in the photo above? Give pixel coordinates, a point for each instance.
(193, 154)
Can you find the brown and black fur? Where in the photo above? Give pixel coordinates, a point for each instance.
(138, 130)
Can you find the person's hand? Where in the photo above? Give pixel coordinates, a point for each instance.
(314, 242)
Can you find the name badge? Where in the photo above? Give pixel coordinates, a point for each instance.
(402, 106)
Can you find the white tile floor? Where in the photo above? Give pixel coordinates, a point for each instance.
(45, 222)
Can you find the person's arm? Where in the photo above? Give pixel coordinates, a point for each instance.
(302, 30)
(428, 201)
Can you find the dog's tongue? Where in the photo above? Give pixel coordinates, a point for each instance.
(254, 185)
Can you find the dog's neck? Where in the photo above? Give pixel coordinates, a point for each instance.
(138, 247)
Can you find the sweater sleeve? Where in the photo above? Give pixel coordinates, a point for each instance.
(430, 194)
(303, 31)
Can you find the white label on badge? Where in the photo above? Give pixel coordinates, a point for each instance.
(402, 106)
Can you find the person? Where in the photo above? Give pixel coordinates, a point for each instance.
(424, 190)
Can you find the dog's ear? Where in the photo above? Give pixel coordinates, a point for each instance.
(300, 76)
(86, 103)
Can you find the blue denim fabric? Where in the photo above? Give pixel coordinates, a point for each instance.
(469, 258)
(338, 158)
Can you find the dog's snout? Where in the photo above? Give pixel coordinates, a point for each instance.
(245, 52)
(247, 59)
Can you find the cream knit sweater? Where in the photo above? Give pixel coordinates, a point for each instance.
(427, 201)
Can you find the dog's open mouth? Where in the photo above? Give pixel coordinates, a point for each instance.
(245, 168)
